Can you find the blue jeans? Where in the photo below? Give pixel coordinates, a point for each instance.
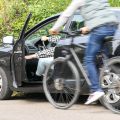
(95, 44)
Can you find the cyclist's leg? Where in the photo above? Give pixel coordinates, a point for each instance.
(94, 45)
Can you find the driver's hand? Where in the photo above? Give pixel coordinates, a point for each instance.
(85, 30)
(27, 57)
(53, 32)
(44, 38)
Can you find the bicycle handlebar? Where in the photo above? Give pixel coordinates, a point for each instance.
(74, 33)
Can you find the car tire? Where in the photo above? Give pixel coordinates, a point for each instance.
(5, 91)
(111, 99)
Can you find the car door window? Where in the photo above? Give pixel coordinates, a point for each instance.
(39, 33)
(76, 23)
(34, 40)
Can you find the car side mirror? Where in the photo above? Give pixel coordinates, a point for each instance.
(8, 40)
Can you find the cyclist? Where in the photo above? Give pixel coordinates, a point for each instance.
(101, 22)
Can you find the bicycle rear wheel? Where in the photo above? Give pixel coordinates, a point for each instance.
(110, 82)
(60, 89)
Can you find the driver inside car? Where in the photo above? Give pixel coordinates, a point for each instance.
(45, 56)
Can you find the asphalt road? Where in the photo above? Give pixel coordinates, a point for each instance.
(37, 108)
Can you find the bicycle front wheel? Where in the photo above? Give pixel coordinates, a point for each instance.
(61, 83)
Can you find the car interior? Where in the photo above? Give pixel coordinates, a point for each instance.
(31, 64)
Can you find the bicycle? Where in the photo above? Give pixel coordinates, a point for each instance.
(63, 91)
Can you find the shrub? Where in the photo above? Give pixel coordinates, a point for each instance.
(14, 12)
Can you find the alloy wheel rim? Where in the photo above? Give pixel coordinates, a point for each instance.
(112, 95)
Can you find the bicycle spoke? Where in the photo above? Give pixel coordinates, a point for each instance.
(69, 96)
(71, 89)
(69, 93)
(54, 96)
(60, 98)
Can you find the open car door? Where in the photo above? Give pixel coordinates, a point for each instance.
(17, 60)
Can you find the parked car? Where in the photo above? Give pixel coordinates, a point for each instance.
(18, 74)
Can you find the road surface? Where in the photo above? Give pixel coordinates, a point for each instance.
(38, 108)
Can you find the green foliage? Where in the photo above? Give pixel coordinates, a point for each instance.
(12, 15)
(14, 12)
(115, 3)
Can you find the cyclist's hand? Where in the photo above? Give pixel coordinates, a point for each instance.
(44, 38)
(53, 32)
(85, 30)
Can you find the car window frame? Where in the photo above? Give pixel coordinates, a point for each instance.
(39, 26)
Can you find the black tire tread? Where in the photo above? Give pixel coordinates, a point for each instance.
(5, 92)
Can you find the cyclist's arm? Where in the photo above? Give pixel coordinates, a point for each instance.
(67, 13)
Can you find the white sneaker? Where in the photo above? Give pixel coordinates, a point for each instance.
(94, 96)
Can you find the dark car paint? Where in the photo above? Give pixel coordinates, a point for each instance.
(7, 52)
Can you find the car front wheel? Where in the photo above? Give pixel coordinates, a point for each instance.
(5, 92)
(110, 82)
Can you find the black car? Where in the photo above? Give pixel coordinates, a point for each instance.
(17, 74)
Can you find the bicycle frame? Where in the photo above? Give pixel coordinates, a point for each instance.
(77, 60)
(79, 64)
